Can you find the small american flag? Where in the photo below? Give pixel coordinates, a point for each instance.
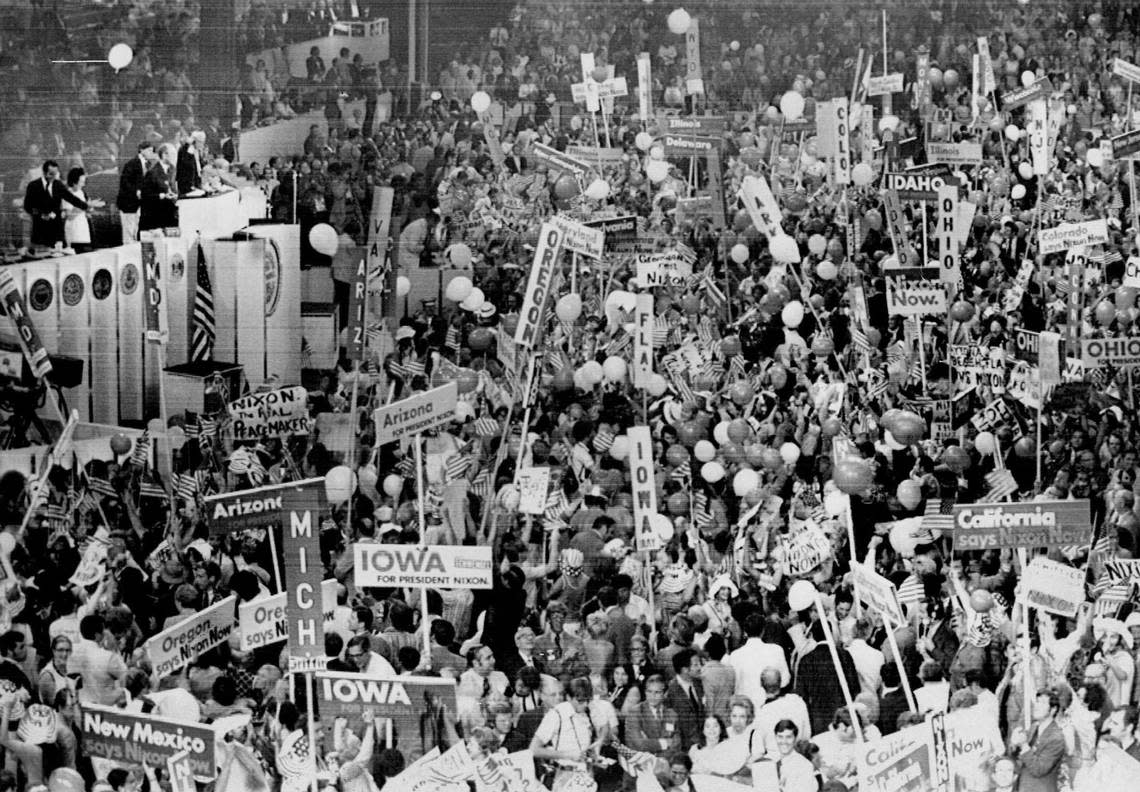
(406, 467)
(911, 592)
(603, 440)
(661, 330)
(101, 487)
(1109, 601)
(140, 456)
(256, 471)
(481, 485)
(452, 339)
(416, 368)
(939, 515)
(556, 505)
(683, 472)
(705, 332)
(53, 512)
(736, 367)
(860, 341)
(306, 353)
(456, 467)
(619, 343)
(1000, 485)
(714, 294)
(486, 427)
(186, 486)
(399, 370)
(682, 388)
(149, 489)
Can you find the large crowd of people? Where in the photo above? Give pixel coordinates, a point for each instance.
(868, 547)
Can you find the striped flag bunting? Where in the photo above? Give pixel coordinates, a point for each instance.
(938, 515)
(1000, 485)
(736, 367)
(681, 387)
(860, 341)
(683, 472)
(619, 343)
(911, 591)
(399, 370)
(481, 485)
(186, 486)
(101, 487)
(603, 440)
(456, 467)
(486, 427)
(452, 339)
(556, 505)
(52, 512)
(149, 489)
(140, 455)
(661, 330)
(1110, 600)
(406, 467)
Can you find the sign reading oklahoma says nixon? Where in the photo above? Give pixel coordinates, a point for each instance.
(1051, 523)
(416, 413)
(434, 566)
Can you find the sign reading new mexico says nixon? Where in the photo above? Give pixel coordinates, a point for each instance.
(134, 738)
(1051, 523)
(434, 566)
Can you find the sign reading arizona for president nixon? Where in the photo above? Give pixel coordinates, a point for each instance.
(415, 414)
(1051, 523)
(434, 566)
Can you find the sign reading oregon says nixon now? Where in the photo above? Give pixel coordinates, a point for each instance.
(435, 566)
(415, 414)
(982, 526)
(1096, 352)
(181, 644)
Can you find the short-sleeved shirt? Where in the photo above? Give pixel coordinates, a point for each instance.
(563, 729)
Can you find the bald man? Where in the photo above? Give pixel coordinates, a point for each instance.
(777, 707)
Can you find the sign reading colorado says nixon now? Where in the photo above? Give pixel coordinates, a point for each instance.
(181, 644)
(1050, 523)
(1071, 235)
(433, 566)
(275, 413)
(416, 413)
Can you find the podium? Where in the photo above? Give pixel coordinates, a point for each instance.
(191, 387)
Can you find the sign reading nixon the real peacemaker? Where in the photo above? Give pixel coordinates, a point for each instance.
(415, 414)
(433, 566)
(134, 738)
(181, 644)
(1051, 523)
(404, 699)
(275, 413)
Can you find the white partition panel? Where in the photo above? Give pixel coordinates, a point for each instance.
(130, 359)
(75, 324)
(103, 373)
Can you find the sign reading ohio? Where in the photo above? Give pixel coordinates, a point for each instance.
(981, 526)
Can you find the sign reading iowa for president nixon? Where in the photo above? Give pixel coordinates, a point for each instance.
(416, 413)
(435, 566)
(1051, 523)
(412, 702)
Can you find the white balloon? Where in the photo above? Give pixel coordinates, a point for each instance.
(739, 253)
(1025, 170)
(619, 449)
(473, 301)
(792, 314)
(340, 483)
(643, 141)
(720, 433)
(817, 244)
(801, 595)
(480, 102)
(592, 371)
(744, 482)
(986, 443)
(598, 190)
(1028, 78)
(657, 152)
(1095, 157)
(679, 22)
(1013, 133)
(568, 308)
(614, 368)
(657, 170)
(458, 255)
(657, 385)
(458, 288)
(712, 472)
(862, 174)
(790, 453)
(1018, 192)
(784, 249)
(120, 56)
(792, 105)
(888, 122)
(323, 239)
(704, 451)
(403, 286)
(662, 526)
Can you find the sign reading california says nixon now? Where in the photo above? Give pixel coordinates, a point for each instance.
(1051, 523)
(415, 414)
(435, 566)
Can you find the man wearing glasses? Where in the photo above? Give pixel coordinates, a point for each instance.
(361, 656)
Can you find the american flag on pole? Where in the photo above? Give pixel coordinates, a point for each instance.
(140, 456)
(1000, 484)
(456, 467)
(683, 472)
(101, 487)
(149, 489)
(204, 329)
(938, 515)
(860, 341)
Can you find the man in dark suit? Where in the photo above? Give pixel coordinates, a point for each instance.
(157, 208)
(892, 701)
(190, 157)
(514, 162)
(686, 697)
(621, 629)
(1041, 752)
(818, 684)
(131, 177)
(652, 726)
(43, 199)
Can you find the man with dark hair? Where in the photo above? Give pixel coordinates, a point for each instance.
(717, 678)
(621, 627)
(359, 653)
(817, 682)
(652, 726)
(1120, 727)
(13, 654)
(407, 660)
(1040, 752)
(892, 700)
(43, 201)
(101, 669)
(686, 696)
(442, 637)
(130, 190)
(756, 655)
(681, 635)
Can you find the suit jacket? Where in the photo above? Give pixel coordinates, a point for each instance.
(442, 657)
(719, 683)
(130, 185)
(189, 171)
(818, 684)
(690, 718)
(41, 201)
(156, 212)
(644, 731)
(1041, 762)
(621, 632)
(891, 705)
(515, 164)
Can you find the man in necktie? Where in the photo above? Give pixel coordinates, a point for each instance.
(685, 696)
(652, 726)
(1041, 752)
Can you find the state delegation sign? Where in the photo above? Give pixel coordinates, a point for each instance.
(1071, 235)
(580, 238)
(405, 699)
(134, 738)
(917, 186)
(1051, 586)
(1120, 352)
(433, 566)
(415, 414)
(1052, 523)
(181, 644)
(541, 283)
(263, 622)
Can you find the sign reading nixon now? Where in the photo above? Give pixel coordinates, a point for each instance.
(917, 186)
(1052, 523)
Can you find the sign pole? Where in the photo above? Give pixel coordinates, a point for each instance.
(887, 107)
(314, 784)
(417, 443)
(903, 677)
(821, 613)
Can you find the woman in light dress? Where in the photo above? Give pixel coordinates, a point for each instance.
(76, 229)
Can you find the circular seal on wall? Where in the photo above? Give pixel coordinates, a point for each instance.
(177, 267)
(272, 276)
(101, 284)
(72, 290)
(130, 280)
(40, 294)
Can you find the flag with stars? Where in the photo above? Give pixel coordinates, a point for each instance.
(938, 515)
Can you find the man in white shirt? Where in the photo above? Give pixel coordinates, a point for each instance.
(749, 660)
(777, 708)
(868, 660)
(934, 695)
(102, 670)
(477, 684)
(359, 653)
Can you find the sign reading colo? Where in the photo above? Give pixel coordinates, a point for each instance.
(141, 739)
(982, 526)
(404, 699)
(275, 413)
(541, 284)
(301, 547)
(435, 566)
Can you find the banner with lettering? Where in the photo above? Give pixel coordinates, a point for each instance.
(136, 739)
(276, 413)
(1048, 523)
(433, 566)
(644, 487)
(181, 644)
(33, 348)
(532, 317)
(415, 704)
(302, 504)
(263, 622)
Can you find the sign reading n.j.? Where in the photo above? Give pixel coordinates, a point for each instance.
(1052, 523)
